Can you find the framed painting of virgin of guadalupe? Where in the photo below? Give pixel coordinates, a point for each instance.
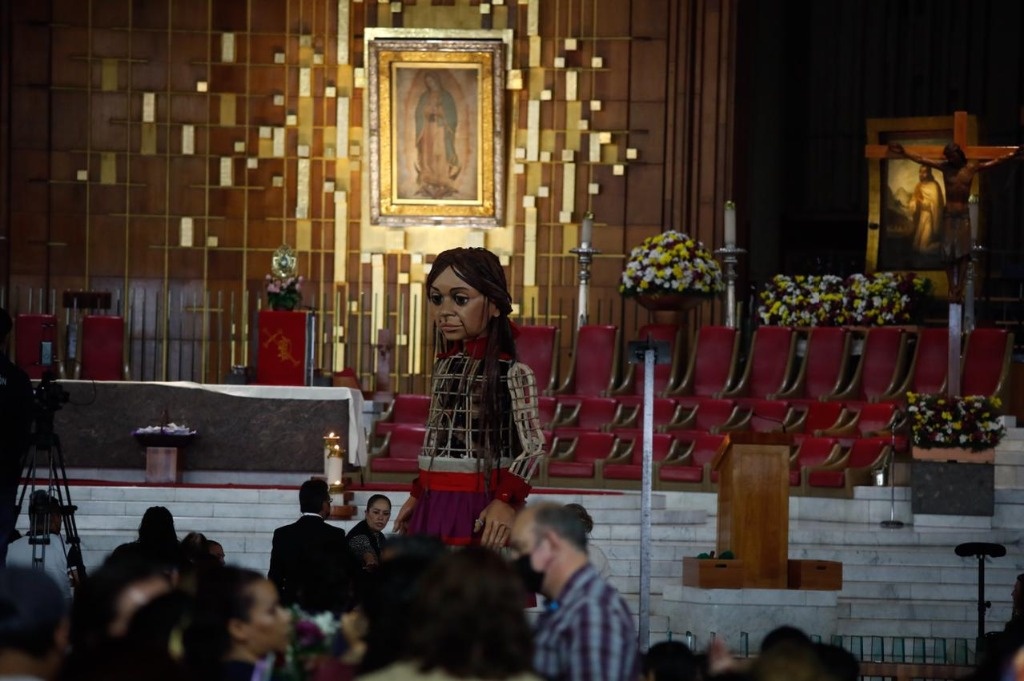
(436, 106)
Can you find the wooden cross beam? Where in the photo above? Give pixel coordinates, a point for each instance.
(975, 152)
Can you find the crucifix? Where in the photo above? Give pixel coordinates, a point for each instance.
(959, 164)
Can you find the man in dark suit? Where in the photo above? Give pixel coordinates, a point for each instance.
(16, 411)
(310, 561)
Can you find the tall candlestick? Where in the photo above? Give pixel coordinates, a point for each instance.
(730, 223)
(972, 211)
(587, 229)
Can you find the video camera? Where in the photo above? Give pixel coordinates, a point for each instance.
(49, 395)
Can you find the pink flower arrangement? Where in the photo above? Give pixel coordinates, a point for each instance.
(284, 293)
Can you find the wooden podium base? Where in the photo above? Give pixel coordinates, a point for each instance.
(164, 464)
(803, 575)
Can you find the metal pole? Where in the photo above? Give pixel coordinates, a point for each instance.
(645, 500)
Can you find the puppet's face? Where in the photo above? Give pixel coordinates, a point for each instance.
(460, 311)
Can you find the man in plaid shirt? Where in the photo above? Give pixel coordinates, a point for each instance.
(586, 631)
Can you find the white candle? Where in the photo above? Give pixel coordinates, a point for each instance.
(334, 470)
(730, 223)
(972, 211)
(587, 230)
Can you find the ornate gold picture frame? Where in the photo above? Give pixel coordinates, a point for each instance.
(897, 188)
(436, 133)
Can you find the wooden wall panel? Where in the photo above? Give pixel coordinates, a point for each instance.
(139, 185)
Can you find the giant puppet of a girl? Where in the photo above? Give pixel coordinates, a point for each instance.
(483, 440)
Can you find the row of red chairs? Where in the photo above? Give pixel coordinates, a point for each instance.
(893, 360)
(564, 421)
(682, 460)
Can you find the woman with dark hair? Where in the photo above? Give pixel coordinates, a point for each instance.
(473, 602)
(157, 542)
(237, 622)
(366, 539)
(483, 439)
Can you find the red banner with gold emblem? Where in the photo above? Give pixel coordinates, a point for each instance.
(282, 348)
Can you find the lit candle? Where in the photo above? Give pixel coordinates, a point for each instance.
(587, 230)
(730, 223)
(330, 444)
(334, 463)
(972, 211)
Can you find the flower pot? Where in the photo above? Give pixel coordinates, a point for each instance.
(670, 302)
(957, 454)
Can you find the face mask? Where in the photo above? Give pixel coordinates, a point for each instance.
(532, 579)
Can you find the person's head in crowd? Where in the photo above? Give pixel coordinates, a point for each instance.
(421, 546)
(839, 663)
(789, 660)
(670, 661)
(33, 624)
(784, 634)
(6, 324)
(157, 527)
(194, 545)
(216, 550)
(387, 599)
(551, 546)
(473, 602)
(44, 513)
(378, 512)
(158, 626)
(237, 618)
(315, 497)
(585, 518)
(1018, 597)
(105, 603)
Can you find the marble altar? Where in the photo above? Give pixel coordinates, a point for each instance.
(240, 427)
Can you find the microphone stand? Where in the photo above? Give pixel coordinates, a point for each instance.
(892, 523)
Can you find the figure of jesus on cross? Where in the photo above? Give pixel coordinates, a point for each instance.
(958, 173)
(959, 165)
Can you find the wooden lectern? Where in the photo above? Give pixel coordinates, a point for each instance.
(753, 506)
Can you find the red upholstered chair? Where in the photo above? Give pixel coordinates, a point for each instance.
(692, 472)
(547, 407)
(769, 363)
(631, 392)
(811, 452)
(712, 415)
(626, 470)
(665, 412)
(986, 362)
(31, 331)
(397, 459)
(711, 366)
(580, 463)
(878, 419)
(767, 416)
(595, 360)
(406, 408)
(590, 414)
(855, 466)
(102, 355)
(822, 373)
(927, 373)
(819, 416)
(537, 348)
(881, 367)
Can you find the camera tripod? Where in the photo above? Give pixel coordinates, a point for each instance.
(46, 452)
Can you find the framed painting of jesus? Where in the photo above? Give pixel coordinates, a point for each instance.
(906, 200)
(436, 107)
